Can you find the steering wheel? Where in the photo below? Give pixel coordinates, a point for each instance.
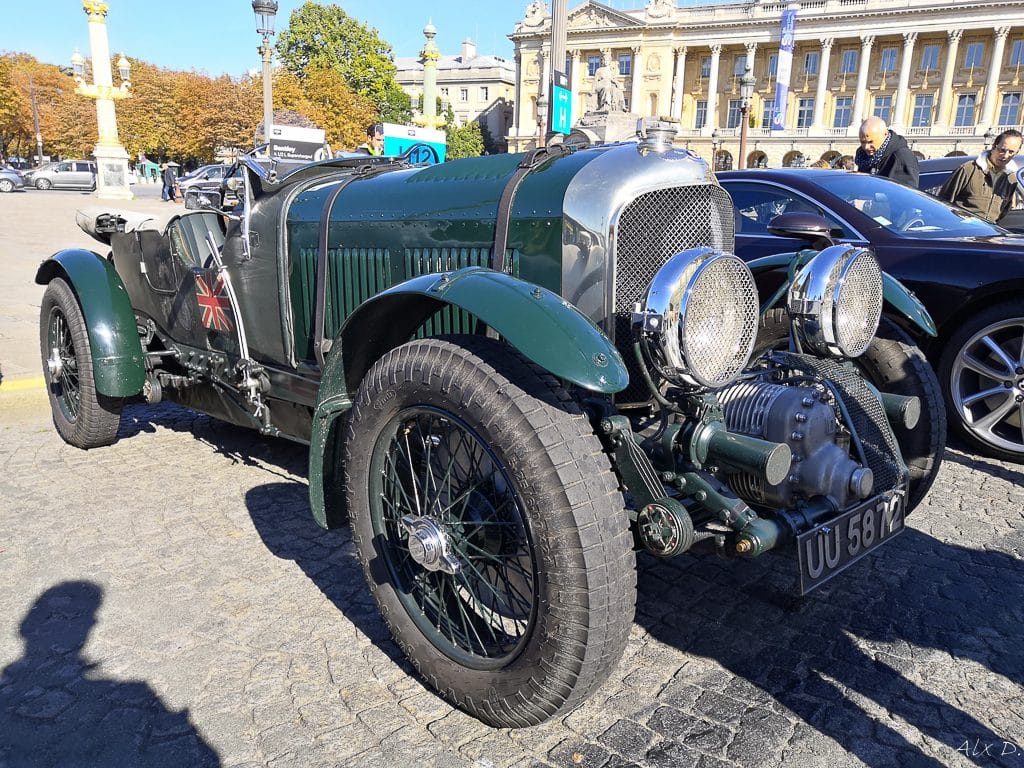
(916, 221)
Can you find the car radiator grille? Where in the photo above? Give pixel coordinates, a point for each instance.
(653, 228)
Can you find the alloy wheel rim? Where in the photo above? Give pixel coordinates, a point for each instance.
(430, 466)
(62, 366)
(987, 384)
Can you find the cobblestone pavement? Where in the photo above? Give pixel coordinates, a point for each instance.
(168, 601)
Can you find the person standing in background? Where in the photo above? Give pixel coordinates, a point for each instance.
(986, 186)
(885, 153)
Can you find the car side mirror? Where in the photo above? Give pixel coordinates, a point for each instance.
(802, 225)
(202, 200)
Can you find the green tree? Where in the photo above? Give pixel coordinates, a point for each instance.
(325, 37)
(464, 141)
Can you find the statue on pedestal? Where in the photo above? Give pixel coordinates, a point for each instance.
(607, 95)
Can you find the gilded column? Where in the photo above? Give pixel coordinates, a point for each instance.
(988, 110)
(903, 90)
(943, 119)
(819, 96)
(860, 100)
(712, 120)
(679, 84)
(634, 90)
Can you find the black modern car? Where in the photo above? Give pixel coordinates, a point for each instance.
(968, 273)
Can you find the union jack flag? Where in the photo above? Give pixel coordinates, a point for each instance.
(214, 303)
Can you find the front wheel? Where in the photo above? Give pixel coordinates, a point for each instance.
(83, 417)
(490, 528)
(6, 185)
(982, 375)
(894, 364)
(43, 184)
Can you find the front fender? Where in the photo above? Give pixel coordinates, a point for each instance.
(117, 360)
(538, 323)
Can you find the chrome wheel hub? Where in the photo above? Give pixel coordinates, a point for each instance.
(429, 545)
(987, 384)
(54, 364)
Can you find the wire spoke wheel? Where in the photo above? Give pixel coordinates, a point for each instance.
(65, 385)
(431, 463)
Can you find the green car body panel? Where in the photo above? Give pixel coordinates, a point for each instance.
(116, 350)
(540, 324)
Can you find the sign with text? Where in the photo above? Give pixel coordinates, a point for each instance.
(428, 144)
(289, 142)
(785, 68)
(561, 104)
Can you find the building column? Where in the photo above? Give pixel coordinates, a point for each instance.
(903, 89)
(517, 104)
(712, 121)
(819, 96)
(860, 100)
(575, 79)
(634, 90)
(988, 111)
(944, 117)
(679, 83)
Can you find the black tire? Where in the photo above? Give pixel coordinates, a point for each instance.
(6, 185)
(43, 184)
(540, 608)
(970, 365)
(83, 417)
(892, 363)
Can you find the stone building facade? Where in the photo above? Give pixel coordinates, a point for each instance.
(942, 74)
(476, 87)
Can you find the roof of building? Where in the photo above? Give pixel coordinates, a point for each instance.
(409, 63)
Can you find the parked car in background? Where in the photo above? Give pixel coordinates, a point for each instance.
(934, 173)
(11, 179)
(968, 274)
(212, 174)
(65, 174)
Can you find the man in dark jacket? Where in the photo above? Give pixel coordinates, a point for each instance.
(884, 153)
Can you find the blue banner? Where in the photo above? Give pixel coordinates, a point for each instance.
(785, 67)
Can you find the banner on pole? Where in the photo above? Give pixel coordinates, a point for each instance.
(785, 67)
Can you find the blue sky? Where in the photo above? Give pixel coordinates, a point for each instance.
(219, 36)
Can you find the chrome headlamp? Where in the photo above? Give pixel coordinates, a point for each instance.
(699, 318)
(835, 301)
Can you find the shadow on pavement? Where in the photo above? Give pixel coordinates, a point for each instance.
(57, 710)
(858, 638)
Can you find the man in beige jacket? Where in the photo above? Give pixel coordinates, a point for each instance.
(987, 185)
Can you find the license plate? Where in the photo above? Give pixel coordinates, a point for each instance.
(836, 545)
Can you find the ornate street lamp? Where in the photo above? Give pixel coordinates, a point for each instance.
(265, 11)
(111, 157)
(747, 83)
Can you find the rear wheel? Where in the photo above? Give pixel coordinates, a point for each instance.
(83, 417)
(43, 184)
(6, 185)
(892, 363)
(982, 375)
(490, 528)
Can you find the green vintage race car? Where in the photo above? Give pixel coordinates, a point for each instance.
(512, 372)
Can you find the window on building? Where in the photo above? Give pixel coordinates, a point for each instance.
(844, 112)
(484, 93)
(700, 114)
(849, 61)
(804, 113)
(732, 119)
(922, 116)
(705, 67)
(463, 94)
(766, 114)
(625, 63)
(1017, 53)
(811, 63)
(888, 60)
(1009, 112)
(739, 66)
(652, 104)
(883, 108)
(593, 62)
(965, 110)
(773, 65)
(930, 57)
(973, 56)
